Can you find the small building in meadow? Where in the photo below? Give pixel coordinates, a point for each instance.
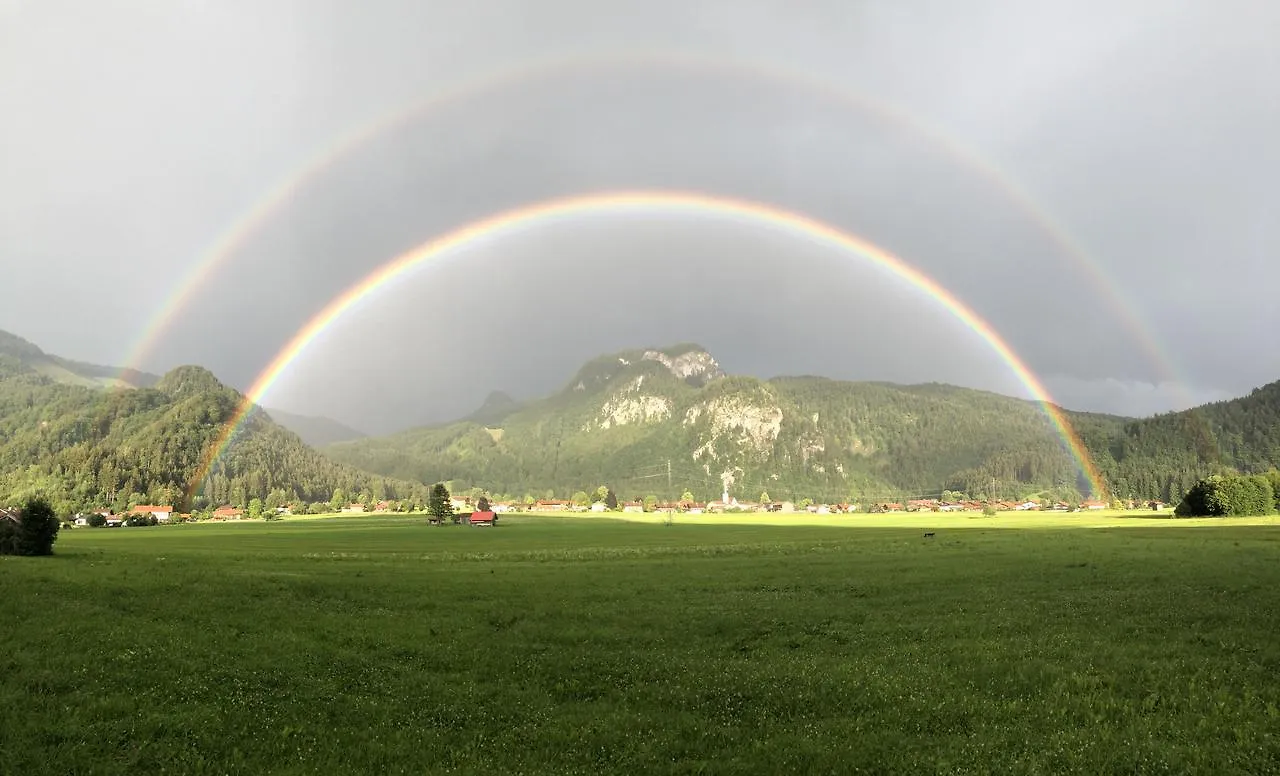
(483, 518)
(160, 513)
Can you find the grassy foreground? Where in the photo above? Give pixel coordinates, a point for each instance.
(553, 645)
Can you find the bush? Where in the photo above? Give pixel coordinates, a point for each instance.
(989, 511)
(33, 533)
(1232, 495)
(97, 521)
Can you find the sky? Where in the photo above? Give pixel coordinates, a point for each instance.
(1097, 180)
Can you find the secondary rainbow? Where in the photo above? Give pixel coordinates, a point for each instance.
(232, 240)
(660, 201)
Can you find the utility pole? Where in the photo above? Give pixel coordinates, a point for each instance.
(668, 476)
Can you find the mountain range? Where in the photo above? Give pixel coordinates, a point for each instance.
(665, 420)
(654, 421)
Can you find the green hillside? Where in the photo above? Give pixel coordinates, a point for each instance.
(1160, 457)
(89, 447)
(625, 415)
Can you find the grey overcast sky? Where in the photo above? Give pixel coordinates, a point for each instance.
(135, 135)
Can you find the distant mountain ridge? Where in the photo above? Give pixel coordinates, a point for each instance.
(314, 430)
(623, 416)
(643, 421)
(18, 354)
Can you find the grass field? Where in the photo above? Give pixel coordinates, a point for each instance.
(591, 645)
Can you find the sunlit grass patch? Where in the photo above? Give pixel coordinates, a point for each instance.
(601, 645)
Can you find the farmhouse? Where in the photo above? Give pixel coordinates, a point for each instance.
(1094, 505)
(115, 521)
(161, 514)
(483, 518)
(353, 509)
(228, 513)
(633, 506)
(460, 503)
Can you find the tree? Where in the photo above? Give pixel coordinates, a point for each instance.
(274, 499)
(610, 500)
(255, 508)
(482, 504)
(581, 499)
(650, 502)
(33, 532)
(686, 496)
(338, 501)
(601, 493)
(438, 504)
(764, 497)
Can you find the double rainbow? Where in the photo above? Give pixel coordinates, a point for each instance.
(644, 201)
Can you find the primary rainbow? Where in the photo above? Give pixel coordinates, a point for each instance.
(615, 201)
(229, 242)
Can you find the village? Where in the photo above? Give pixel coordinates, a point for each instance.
(480, 510)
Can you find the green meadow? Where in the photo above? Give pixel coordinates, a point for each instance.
(1091, 645)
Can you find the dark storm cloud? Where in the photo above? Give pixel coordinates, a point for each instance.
(134, 137)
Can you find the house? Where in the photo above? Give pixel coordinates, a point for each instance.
(82, 520)
(483, 518)
(382, 506)
(504, 506)
(598, 506)
(1094, 505)
(1027, 505)
(460, 503)
(633, 506)
(228, 513)
(161, 514)
(353, 509)
(550, 505)
(115, 521)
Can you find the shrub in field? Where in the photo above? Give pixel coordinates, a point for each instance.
(33, 532)
(97, 521)
(1232, 495)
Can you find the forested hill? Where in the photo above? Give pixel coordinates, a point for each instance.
(90, 447)
(624, 416)
(1162, 456)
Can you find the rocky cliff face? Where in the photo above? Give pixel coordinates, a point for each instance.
(695, 366)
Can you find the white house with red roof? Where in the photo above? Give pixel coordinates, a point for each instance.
(160, 513)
